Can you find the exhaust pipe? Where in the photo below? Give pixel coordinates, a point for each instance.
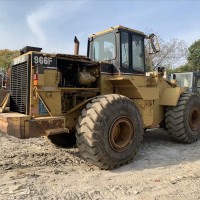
(76, 46)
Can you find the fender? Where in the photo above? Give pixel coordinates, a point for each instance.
(134, 88)
(170, 96)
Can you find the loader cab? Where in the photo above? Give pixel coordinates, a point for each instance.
(188, 79)
(119, 49)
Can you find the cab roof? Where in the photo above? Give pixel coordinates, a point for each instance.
(117, 28)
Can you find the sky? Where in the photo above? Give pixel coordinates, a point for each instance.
(52, 24)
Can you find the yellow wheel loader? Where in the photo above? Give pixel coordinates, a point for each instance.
(106, 99)
(191, 80)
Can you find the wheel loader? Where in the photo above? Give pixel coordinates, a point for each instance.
(105, 99)
(191, 80)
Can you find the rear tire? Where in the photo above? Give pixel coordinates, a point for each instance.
(183, 121)
(109, 131)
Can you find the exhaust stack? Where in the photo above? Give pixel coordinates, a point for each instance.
(76, 46)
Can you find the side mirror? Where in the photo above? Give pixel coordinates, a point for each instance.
(154, 46)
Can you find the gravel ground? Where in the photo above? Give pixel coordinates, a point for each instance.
(37, 169)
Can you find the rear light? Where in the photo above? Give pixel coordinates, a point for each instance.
(35, 79)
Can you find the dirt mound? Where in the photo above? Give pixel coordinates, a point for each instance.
(37, 169)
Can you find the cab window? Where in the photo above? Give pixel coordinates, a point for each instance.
(103, 48)
(132, 53)
(124, 50)
(138, 53)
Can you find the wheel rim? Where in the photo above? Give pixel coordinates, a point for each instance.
(194, 118)
(121, 134)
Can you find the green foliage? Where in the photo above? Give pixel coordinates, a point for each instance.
(6, 57)
(183, 68)
(194, 56)
(193, 60)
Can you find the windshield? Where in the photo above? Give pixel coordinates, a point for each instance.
(103, 48)
(184, 79)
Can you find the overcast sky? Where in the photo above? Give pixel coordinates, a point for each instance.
(52, 24)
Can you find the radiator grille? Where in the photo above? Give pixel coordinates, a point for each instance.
(19, 101)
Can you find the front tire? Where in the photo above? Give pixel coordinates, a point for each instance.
(183, 121)
(109, 131)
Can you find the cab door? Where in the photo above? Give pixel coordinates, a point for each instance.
(132, 53)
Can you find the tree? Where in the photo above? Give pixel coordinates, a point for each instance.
(194, 56)
(182, 68)
(170, 53)
(6, 57)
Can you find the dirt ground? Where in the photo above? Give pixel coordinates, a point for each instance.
(37, 169)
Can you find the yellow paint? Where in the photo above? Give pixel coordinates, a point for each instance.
(115, 28)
